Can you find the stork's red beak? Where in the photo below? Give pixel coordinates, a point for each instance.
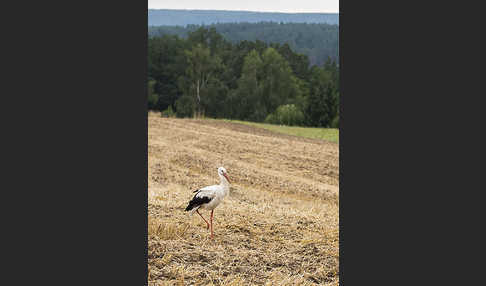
(226, 176)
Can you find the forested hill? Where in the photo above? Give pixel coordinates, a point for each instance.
(317, 41)
(165, 17)
(205, 75)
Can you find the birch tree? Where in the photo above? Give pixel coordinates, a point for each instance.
(202, 67)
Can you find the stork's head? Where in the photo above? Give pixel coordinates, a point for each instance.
(222, 173)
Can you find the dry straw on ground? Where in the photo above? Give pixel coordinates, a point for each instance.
(279, 224)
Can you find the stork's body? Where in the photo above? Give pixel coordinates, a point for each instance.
(210, 197)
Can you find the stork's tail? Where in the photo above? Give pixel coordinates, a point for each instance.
(189, 208)
(191, 211)
(192, 207)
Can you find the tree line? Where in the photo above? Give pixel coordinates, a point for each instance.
(318, 40)
(172, 17)
(206, 75)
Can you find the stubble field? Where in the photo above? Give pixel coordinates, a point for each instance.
(279, 225)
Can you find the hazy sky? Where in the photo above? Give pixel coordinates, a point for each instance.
(294, 6)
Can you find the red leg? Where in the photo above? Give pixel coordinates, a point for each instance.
(203, 219)
(212, 235)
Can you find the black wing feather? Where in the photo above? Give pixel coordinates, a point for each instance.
(197, 201)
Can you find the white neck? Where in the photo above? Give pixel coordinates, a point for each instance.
(224, 183)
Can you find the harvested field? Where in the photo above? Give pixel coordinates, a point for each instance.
(279, 225)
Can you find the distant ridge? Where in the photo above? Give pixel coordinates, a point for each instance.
(169, 17)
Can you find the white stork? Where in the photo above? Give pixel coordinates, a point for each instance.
(210, 197)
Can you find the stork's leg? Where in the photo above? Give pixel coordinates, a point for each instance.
(212, 235)
(207, 224)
